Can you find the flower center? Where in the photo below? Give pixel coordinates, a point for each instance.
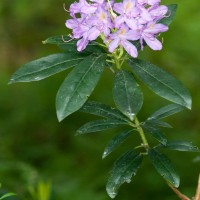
(102, 16)
(128, 6)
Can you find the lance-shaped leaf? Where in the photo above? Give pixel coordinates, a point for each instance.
(127, 95)
(100, 109)
(123, 170)
(166, 111)
(156, 123)
(7, 195)
(155, 132)
(116, 142)
(170, 15)
(69, 45)
(78, 85)
(181, 146)
(100, 125)
(164, 167)
(44, 67)
(161, 82)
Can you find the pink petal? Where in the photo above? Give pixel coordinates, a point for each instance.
(159, 11)
(93, 34)
(132, 23)
(81, 44)
(118, 21)
(118, 7)
(132, 35)
(130, 48)
(71, 23)
(113, 45)
(152, 42)
(156, 28)
(153, 2)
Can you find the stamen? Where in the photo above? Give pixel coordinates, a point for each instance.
(169, 13)
(67, 40)
(64, 7)
(111, 10)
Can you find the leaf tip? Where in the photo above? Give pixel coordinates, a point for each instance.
(60, 117)
(112, 194)
(44, 42)
(79, 132)
(104, 155)
(189, 105)
(11, 81)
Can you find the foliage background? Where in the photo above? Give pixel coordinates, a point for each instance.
(35, 147)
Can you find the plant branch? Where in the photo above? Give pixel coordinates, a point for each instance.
(179, 194)
(141, 132)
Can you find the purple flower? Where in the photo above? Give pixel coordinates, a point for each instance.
(117, 23)
(101, 21)
(128, 12)
(121, 37)
(149, 33)
(148, 2)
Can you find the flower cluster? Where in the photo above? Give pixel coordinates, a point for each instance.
(118, 24)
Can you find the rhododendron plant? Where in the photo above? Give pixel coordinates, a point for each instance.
(109, 35)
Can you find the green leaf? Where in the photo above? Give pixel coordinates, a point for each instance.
(44, 67)
(7, 195)
(100, 125)
(123, 170)
(102, 110)
(164, 167)
(78, 85)
(155, 132)
(166, 111)
(181, 146)
(156, 123)
(127, 95)
(170, 15)
(161, 82)
(68, 45)
(116, 141)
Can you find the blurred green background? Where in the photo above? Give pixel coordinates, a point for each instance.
(34, 147)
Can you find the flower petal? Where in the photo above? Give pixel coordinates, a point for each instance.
(130, 48)
(93, 34)
(152, 42)
(156, 28)
(159, 11)
(81, 44)
(118, 21)
(113, 45)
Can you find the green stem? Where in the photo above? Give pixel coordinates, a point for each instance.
(141, 132)
(117, 61)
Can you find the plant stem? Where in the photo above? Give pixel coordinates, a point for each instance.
(117, 61)
(141, 132)
(178, 193)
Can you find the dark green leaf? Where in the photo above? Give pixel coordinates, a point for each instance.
(127, 95)
(170, 15)
(44, 67)
(166, 111)
(164, 167)
(155, 132)
(100, 125)
(116, 141)
(78, 85)
(102, 110)
(181, 146)
(68, 45)
(7, 195)
(156, 123)
(123, 170)
(161, 82)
